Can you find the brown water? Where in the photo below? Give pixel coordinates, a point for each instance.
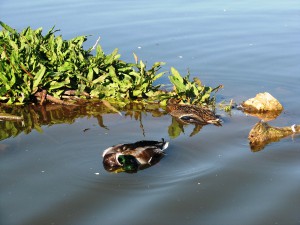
(55, 176)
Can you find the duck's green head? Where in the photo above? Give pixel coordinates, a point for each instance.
(128, 162)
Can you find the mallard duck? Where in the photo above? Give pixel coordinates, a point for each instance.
(133, 156)
(192, 114)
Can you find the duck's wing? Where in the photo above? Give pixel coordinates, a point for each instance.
(191, 118)
(113, 149)
(147, 155)
(136, 148)
(201, 116)
(162, 145)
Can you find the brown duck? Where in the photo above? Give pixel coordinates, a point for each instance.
(192, 113)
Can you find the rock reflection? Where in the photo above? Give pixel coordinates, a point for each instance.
(262, 134)
(133, 157)
(265, 116)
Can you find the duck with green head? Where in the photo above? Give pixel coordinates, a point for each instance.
(132, 157)
(192, 113)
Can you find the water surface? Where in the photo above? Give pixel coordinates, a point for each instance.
(57, 177)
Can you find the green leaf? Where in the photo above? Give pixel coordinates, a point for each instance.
(8, 28)
(180, 87)
(110, 58)
(158, 76)
(176, 74)
(100, 79)
(137, 93)
(38, 76)
(56, 85)
(90, 75)
(96, 70)
(177, 80)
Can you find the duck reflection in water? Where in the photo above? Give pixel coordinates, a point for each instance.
(132, 157)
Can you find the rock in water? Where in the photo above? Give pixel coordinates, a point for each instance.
(263, 106)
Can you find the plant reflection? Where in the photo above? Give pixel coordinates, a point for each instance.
(36, 116)
(177, 127)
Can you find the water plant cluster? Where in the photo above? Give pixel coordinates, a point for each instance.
(39, 68)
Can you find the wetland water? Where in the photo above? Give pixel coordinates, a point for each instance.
(56, 176)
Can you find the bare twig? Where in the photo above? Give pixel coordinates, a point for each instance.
(95, 45)
(43, 96)
(28, 73)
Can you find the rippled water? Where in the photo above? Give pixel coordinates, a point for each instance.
(57, 177)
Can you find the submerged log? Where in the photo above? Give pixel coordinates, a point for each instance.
(262, 134)
(263, 106)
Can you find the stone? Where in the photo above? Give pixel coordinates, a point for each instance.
(263, 106)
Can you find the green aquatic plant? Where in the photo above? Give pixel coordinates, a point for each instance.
(38, 68)
(227, 106)
(191, 92)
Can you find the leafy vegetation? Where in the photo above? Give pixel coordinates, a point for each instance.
(227, 106)
(192, 92)
(36, 68)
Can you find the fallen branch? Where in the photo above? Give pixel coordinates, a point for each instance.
(42, 96)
